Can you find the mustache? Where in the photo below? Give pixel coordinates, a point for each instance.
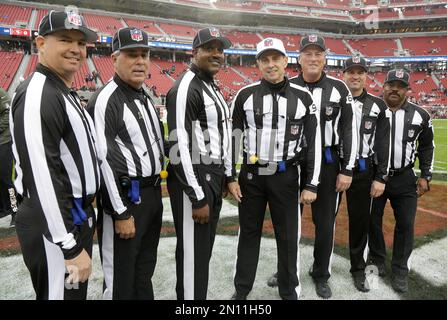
(219, 60)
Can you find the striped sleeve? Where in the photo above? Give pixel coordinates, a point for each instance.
(38, 124)
(312, 133)
(105, 116)
(382, 142)
(348, 130)
(183, 103)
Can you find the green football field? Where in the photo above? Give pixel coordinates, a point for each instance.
(440, 126)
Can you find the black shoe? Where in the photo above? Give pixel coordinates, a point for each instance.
(12, 224)
(380, 267)
(273, 280)
(360, 282)
(238, 296)
(400, 283)
(323, 290)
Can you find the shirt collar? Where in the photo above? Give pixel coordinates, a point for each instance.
(362, 96)
(266, 87)
(405, 106)
(205, 76)
(53, 77)
(313, 84)
(130, 91)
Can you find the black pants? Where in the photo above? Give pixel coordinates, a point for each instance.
(195, 241)
(359, 211)
(281, 192)
(8, 199)
(324, 212)
(129, 264)
(401, 191)
(44, 259)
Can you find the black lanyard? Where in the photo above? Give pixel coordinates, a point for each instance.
(72, 96)
(143, 99)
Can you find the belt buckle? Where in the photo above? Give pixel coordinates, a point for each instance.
(391, 173)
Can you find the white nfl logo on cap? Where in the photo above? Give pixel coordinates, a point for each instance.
(399, 74)
(136, 35)
(74, 18)
(313, 38)
(268, 42)
(356, 59)
(214, 32)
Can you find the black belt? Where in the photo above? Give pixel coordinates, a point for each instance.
(254, 168)
(396, 172)
(152, 181)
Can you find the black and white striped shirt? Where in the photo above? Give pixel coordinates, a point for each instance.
(373, 131)
(274, 120)
(411, 136)
(199, 129)
(130, 139)
(54, 149)
(334, 100)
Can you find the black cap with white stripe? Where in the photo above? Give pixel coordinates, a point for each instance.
(209, 34)
(355, 61)
(130, 37)
(398, 75)
(312, 40)
(61, 20)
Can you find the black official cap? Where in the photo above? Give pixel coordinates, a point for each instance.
(355, 62)
(130, 37)
(398, 75)
(61, 20)
(312, 39)
(209, 34)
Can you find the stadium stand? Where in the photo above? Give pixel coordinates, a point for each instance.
(12, 15)
(9, 63)
(246, 5)
(336, 46)
(374, 48)
(425, 45)
(146, 25)
(31, 66)
(40, 14)
(242, 39)
(291, 42)
(103, 24)
(177, 30)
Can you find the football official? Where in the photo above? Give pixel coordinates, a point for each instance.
(56, 163)
(411, 137)
(339, 148)
(130, 147)
(200, 161)
(371, 169)
(274, 116)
